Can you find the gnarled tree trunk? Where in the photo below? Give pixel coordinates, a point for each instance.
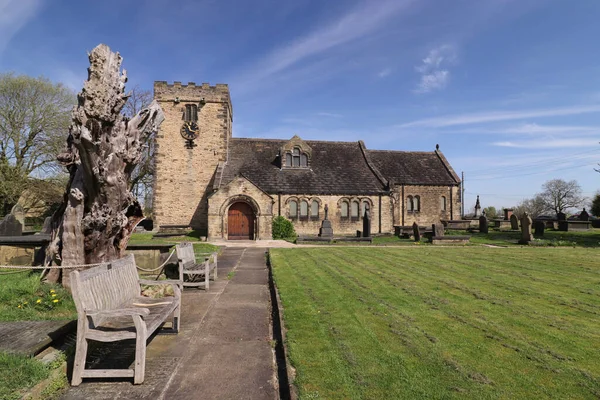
(99, 213)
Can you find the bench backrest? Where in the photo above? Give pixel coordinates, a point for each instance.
(106, 286)
(185, 253)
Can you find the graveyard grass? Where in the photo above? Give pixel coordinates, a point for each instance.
(430, 322)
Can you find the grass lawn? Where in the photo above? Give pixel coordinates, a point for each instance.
(18, 373)
(24, 298)
(430, 323)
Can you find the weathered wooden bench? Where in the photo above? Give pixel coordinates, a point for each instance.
(192, 273)
(110, 308)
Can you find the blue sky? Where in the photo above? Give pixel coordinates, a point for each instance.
(510, 89)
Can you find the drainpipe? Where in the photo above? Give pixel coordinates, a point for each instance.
(451, 207)
(380, 213)
(279, 204)
(402, 201)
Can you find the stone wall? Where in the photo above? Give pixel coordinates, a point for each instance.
(240, 189)
(430, 210)
(341, 226)
(184, 176)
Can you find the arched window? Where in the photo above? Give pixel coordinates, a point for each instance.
(344, 209)
(303, 209)
(293, 209)
(191, 113)
(409, 204)
(443, 203)
(296, 157)
(314, 209)
(288, 160)
(303, 160)
(417, 203)
(354, 209)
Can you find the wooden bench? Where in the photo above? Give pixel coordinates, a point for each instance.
(191, 273)
(110, 308)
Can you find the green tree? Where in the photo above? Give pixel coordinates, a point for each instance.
(34, 121)
(283, 228)
(490, 212)
(595, 208)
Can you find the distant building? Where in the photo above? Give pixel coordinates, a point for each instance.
(233, 187)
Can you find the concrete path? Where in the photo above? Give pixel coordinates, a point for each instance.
(31, 337)
(223, 350)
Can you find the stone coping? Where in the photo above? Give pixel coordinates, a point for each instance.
(30, 240)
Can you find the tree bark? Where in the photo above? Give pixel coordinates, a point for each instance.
(99, 213)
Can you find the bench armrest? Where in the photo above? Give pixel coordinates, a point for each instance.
(119, 312)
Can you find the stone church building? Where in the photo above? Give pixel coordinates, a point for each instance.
(232, 188)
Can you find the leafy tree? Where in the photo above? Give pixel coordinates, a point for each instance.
(535, 207)
(142, 176)
(490, 212)
(595, 208)
(283, 228)
(559, 195)
(34, 120)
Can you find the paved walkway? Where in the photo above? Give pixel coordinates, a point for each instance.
(223, 350)
(31, 337)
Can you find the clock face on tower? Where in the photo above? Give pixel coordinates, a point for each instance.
(190, 130)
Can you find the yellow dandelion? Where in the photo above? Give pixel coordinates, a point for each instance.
(52, 291)
(55, 301)
(19, 306)
(25, 303)
(39, 301)
(53, 294)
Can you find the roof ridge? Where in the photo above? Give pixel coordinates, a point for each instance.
(401, 151)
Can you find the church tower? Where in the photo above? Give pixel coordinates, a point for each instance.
(191, 143)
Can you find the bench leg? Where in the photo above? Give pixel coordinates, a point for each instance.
(81, 347)
(140, 350)
(177, 318)
(206, 275)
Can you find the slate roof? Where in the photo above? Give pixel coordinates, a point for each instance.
(335, 168)
(413, 167)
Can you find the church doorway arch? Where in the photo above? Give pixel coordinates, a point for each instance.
(240, 221)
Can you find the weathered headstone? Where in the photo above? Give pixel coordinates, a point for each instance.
(438, 230)
(19, 214)
(483, 224)
(526, 235)
(416, 232)
(326, 230)
(561, 216)
(539, 227)
(366, 232)
(563, 225)
(584, 216)
(10, 226)
(514, 222)
(507, 213)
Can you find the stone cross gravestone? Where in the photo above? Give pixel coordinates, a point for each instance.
(438, 230)
(584, 216)
(416, 232)
(539, 227)
(514, 222)
(526, 235)
(477, 208)
(366, 224)
(10, 226)
(483, 224)
(326, 230)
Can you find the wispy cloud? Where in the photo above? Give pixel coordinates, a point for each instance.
(14, 15)
(434, 69)
(330, 115)
(384, 72)
(496, 116)
(549, 143)
(356, 24)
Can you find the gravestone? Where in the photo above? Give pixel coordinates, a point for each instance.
(438, 230)
(416, 232)
(561, 216)
(514, 222)
(584, 216)
(10, 226)
(366, 232)
(483, 224)
(526, 235)
(539, 228)
(19, 214)
(563, 225)
(326, 230)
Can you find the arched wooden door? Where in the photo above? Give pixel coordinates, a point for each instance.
(240, 222)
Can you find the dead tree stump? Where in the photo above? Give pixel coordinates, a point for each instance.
(99, 213)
